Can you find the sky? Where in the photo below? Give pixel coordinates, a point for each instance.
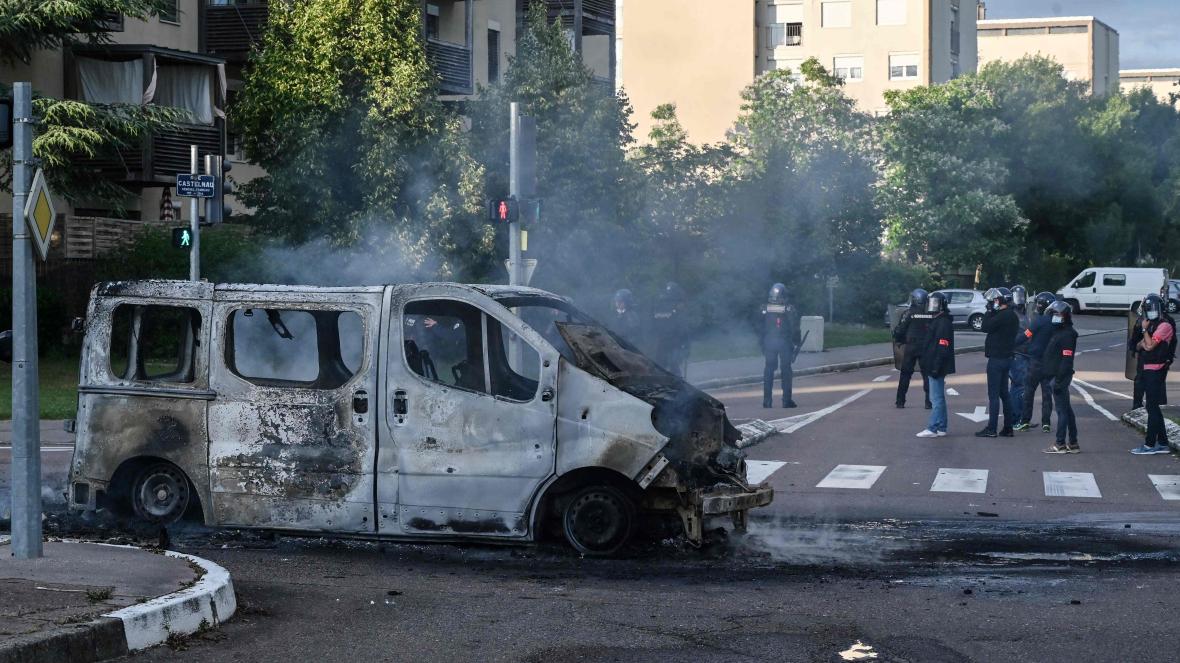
(1149, 30)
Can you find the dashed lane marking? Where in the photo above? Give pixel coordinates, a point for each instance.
(955, 480)
(852, 476)
(758, 471)
(882, 378)
(1103, 389)
(1168, 485)
(1071, 484)
(1092, 403)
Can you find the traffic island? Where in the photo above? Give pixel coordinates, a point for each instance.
(1137, 419)
(85, 602)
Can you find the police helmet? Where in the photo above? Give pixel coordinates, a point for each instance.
(623, 297)
(1152, 307)
(778, 294)
(1042, 301)
(1019, 296)
(1001, 295)
(918, 300)
(1061, 312)
(938, 303)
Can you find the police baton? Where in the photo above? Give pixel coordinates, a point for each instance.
(799, 347)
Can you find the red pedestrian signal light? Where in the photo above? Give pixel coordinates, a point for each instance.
(504, 210)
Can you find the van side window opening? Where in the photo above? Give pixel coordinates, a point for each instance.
(294, 348)
(152, 343)
(1114, 279)
(442, 340)
(514, 365)
(1086, 281)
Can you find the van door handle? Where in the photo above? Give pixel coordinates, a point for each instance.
(360, 402)
(401, 404)
(546, 395)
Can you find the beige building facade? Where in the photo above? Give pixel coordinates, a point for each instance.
(703, 55)
(1163, 83)
(1087, 48)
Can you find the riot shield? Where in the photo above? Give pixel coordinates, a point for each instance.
(898, 354)
(1131, 366)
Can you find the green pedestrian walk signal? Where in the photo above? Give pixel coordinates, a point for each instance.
(182, 238)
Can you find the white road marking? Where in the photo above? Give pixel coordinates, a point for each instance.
(954, 480)
(758, 471)
(1071, 484)
(793, 424)
(1090, 401)
(978, 416)
(852, 476)
(881, 378)
(1116, 345)
(951, 392)
(1094, 386)
(45, 448)
(1167, 484)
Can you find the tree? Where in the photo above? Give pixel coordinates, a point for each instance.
(340, 109)
(70, 132)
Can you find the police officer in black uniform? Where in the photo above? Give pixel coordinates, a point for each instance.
(780, 337)
(913, 330)
(1057, 362)
(626, 322)
(670, 338)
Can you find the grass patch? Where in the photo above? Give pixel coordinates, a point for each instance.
(843, 336)
(100, 595)
(59, 388)
(725, 347)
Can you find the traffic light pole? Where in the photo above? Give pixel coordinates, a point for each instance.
(515, 259)
(26, 422)
(194, 254)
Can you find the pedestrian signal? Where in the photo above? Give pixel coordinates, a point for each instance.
(504, 210)
(182, 238)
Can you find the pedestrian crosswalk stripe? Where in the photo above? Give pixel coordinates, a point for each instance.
(955, 480)
(881, 378)
(1168, 485)
(758, 471)
(852, 476)
(1071, 484)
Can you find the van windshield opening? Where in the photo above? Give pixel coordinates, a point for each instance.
(543, 314)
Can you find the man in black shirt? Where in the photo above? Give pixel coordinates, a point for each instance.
(1001, 325)
(1057, 362)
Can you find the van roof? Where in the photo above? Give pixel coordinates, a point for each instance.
(203, 289)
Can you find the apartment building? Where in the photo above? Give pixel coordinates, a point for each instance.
(703, 55)
(1162, 82)
(1087, 48)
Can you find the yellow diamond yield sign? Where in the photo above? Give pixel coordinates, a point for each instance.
(40, 214)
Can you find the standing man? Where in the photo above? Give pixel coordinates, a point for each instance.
(626, 322)
(1058, 362)
(938, 361)
(1000, 324)
(670, 338)
(1018, 373)
(1156, 349)
(1040, 328)
(912, 330)
(780, 337)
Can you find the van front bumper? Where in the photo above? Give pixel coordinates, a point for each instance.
(721, 501)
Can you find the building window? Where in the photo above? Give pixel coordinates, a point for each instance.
(171, 12)
(891, 12)
(794, 66)
(433, 22)
(991, 32)
(785, 34)
(1069, 30)
(956, 71)
(1015, 32)
(493, 56)
(903, 67)
(955, 39)
(111, 21)
(849, 67)
(836, 14)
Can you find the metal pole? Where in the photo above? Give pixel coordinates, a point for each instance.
(194, 254)
(515, 263)
(26, 422)
(831, 302)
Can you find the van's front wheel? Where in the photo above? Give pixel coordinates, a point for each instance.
(160, 494)
(598, 520)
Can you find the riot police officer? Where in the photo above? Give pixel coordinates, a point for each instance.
(1057, 362)
(912, 331)
(1040, 328)
(938, 361)
(1000, 324)
(626, 321)
(780, 338)
(670, 338)
(1018, 372)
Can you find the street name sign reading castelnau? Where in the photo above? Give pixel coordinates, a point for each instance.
(195, 186)
(40, 214)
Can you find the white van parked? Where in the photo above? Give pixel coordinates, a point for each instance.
(1113, 288)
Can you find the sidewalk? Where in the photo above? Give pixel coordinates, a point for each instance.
(89, 602)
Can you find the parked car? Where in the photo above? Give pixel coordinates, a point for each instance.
(425, 411)
(1173, 296)
(1113, 288)
(966, 307)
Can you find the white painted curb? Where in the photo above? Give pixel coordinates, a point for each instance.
(206, 604)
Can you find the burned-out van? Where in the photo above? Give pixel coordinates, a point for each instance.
(432, 410)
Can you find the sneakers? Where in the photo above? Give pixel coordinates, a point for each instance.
(789, 404)
(1022, 426)
(927, 433)
(1045, 428)
(929, 405)
(1073, 448)
(1146, 450)
(1054, 449)
(987, 432)
(941, 433)
(1006, 432)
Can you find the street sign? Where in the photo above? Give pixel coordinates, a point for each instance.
(530, 265)
(195, 186)
(182, 238)
(40, 214)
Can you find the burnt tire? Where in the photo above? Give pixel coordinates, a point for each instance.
(598, 520)
(160, 494)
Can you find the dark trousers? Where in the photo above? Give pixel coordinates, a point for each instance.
(1154, 386)
(908, 362)
(1017, 378)
(1066, 423)
(1032, 380)
(776, 359)
(997, 392)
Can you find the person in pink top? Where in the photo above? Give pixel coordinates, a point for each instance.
(1157, 348)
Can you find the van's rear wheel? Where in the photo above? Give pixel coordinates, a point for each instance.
(160, 494)
(598, 520)
(1074, 305)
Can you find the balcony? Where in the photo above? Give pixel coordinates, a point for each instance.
(597, 17)
(232, 28)
(452, 63)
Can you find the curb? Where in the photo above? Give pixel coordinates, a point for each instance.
(1137, 419)
(209, 602)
